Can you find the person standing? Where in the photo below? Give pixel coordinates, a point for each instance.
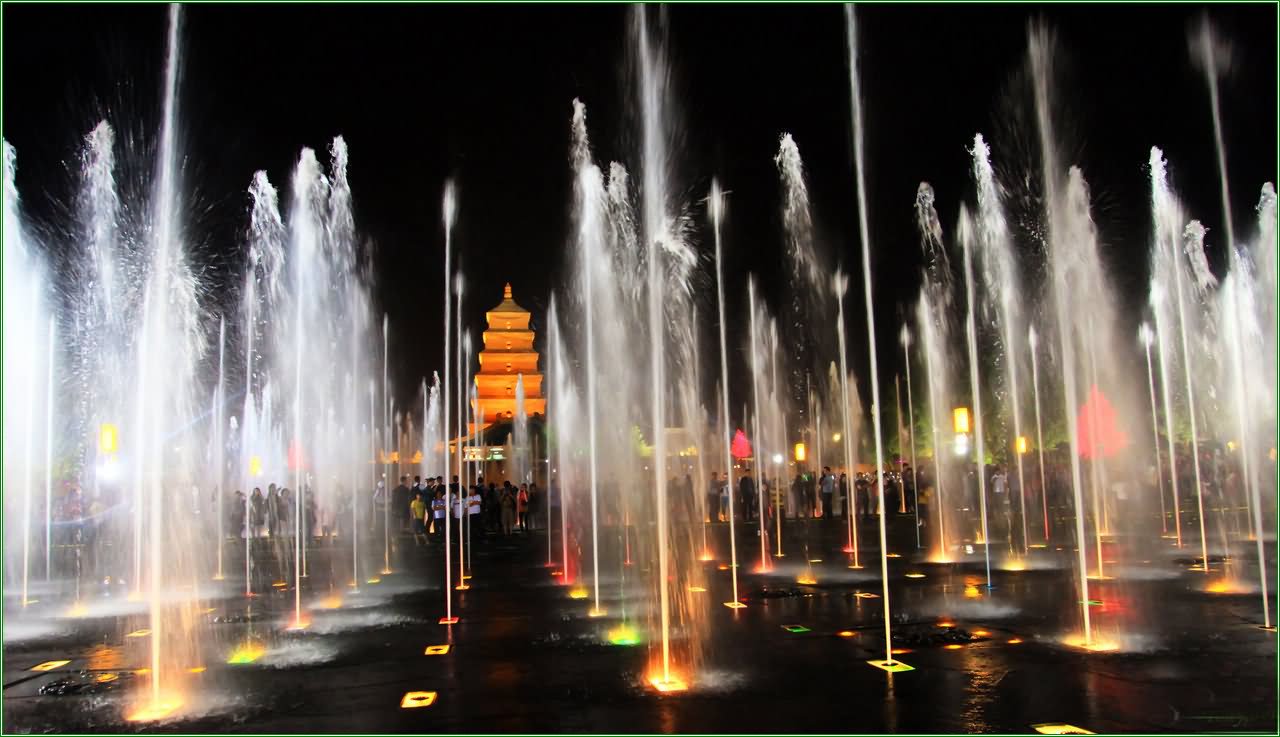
(400, 504)
(508, 503)
(522, 508)
(418, 517)
(257, 513)
(379, 506)
(713, 499)
(535, 506)
(474, 527)
(746, 496)
(438, 507)
(828, 487)
(273, 510)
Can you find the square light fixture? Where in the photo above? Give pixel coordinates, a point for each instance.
(1058, 728)
(417, 699)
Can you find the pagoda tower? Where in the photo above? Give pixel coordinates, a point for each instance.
(508, 354)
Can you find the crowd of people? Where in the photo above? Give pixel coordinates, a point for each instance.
(87, 527)
(420, 508)
(808, 495)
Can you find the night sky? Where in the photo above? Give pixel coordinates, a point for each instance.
(483, 94)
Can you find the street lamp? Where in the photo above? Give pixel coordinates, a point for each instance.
(1021, 445)
(801, 452)
(255, 466)
(960, 420)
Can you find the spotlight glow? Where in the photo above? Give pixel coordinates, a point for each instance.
(155, 710)
(624, 635)
(890, 666)
(579, 592)
(1223, 586)
(139, 633)
(246, 653)
(1096, 646)
(49, 665)
(437, 649)
(670, 684)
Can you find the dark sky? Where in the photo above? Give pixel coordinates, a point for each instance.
(483, 94)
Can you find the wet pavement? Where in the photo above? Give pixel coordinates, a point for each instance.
(525, 657)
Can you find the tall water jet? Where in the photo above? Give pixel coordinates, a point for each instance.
(25, 317)
(932, 310)
(1147, 337)
(1000, 276)
(840, 285)
(1265, 250)
(806, 281)
(590, 201)
(449, 212)
(760, 453)
(1070, 229)
(1157, 299)
(856, 99)
(386, 423)
(454, 496)
(464, 433)
(218, 443)
(660, 237)
(965, 235)
(1213, 54)
(305, 256)
(1032, 344)
(170, 345)
(715, 206)
(905, 339)
(1169, 233)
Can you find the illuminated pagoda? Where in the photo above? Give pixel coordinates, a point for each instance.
(507, 355)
